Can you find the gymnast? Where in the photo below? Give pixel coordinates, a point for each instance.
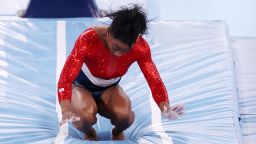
(88, 83)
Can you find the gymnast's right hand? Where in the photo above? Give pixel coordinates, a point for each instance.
(69, 116)
(67, 113)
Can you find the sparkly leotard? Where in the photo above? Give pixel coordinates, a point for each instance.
(93, 58)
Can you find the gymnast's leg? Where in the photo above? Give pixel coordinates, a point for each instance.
(85, 107)
(116, 106)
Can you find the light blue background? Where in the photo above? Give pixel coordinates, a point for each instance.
(240, 15)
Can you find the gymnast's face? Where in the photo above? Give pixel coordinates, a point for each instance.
(116, 47)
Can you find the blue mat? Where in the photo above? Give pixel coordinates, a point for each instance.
(193, 58)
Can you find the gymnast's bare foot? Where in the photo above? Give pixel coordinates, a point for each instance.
(91, 135)
(117, 136)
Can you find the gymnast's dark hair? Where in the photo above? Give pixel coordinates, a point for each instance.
(128, 23)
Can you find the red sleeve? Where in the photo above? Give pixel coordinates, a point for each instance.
(72, 66)
(151, 74)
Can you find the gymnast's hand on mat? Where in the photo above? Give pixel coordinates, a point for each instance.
(69, 116)
(171, 113)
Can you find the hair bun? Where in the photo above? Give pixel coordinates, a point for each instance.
(128, 23)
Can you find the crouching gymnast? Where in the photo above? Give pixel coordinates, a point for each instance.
(89, 80)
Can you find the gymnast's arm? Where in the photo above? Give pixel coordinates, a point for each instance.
(152, 76)
(70, 70)
(156, 85)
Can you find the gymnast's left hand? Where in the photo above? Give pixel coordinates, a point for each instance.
(169, 112)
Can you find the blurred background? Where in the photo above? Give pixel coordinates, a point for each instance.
(238, 14)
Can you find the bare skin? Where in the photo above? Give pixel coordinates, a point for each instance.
(115, 46)
(114, 105)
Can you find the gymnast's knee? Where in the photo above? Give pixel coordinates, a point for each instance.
(87, 118)
(124, 118)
